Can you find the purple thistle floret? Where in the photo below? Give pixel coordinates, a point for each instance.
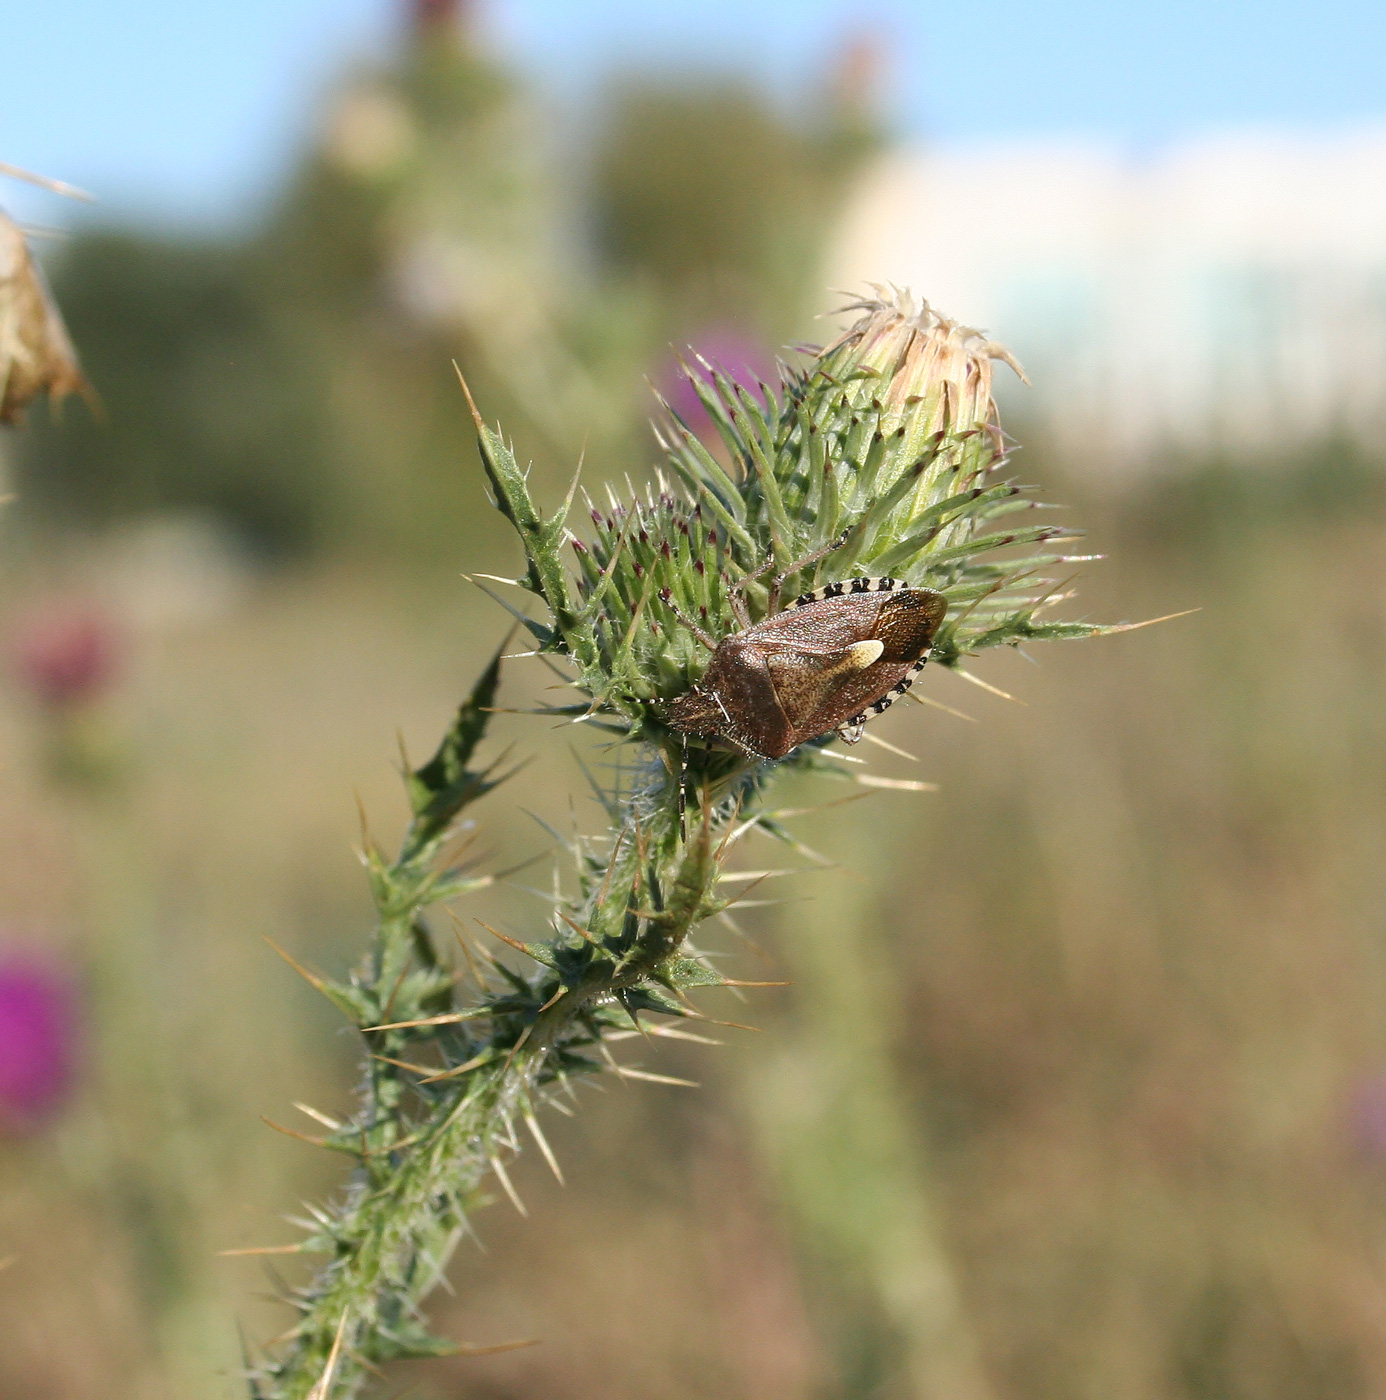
(37, 1039)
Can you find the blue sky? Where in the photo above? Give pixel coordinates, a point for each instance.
(188, 110)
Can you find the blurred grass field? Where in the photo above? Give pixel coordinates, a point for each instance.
(1100, 1112)
(1130, 993)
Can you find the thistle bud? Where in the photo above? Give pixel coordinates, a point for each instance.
(925, 383)
(873, 460)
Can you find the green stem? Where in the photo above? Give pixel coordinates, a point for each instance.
(419, 1179)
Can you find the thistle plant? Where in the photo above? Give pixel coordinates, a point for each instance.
(879, 456)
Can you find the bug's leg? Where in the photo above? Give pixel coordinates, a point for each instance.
(708, 641)
(683, 793)
(736, 593)
(851, 732)
(777, 582)
(737, 598)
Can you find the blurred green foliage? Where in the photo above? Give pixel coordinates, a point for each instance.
(204, 405)
(294, 382)
(716, 202)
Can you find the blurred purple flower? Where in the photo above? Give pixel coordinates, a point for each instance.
(740, 357)
(66, 653)
(37, 1039)
(1366, 1114)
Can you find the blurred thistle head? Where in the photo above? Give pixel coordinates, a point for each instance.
(429, 16)
(38, 1027)
(1366, 1115)
(65, 654)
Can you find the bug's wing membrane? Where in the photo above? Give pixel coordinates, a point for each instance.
(908, 621)
(820, 690)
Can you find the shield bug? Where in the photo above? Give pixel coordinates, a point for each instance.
(831, 660)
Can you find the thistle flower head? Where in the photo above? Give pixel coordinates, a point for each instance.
(930, 375)
(36, 355)
(881, 456)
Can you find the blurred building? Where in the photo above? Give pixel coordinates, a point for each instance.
(1226, 295)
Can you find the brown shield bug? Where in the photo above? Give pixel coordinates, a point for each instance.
(831, 660)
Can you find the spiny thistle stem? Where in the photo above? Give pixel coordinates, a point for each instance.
(885, 446)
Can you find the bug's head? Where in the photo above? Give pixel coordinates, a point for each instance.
(697, 711)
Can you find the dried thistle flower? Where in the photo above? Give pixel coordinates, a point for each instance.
(36, 355)
(882, 456)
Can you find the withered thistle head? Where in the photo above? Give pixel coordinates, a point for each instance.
(36, 355)
(926, 374)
